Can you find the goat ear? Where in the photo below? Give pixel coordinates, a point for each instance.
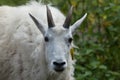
(77, 23)
(38, 24)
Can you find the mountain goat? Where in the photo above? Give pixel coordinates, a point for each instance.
(35, 43)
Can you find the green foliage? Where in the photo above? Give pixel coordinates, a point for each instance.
(13, 2)
(98, 38)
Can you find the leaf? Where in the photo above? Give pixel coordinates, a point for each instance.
(72, 53)
(103, 67)
(94, 64)
(88, 73)
(88, 51)
(74, 3)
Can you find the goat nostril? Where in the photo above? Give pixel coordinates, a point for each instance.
(59, 63)
(63, 63)
(55, 63)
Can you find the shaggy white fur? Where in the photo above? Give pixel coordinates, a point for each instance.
(22, 46)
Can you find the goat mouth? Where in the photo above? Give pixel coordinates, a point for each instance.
(60, 69)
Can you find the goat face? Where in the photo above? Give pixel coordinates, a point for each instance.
(57, 40)
(57, 45)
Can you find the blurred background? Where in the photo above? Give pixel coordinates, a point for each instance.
(98, 38)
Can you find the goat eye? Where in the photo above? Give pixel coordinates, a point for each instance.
(46, 39)
(70, 40)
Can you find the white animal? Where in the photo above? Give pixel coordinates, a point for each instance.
(35, 43)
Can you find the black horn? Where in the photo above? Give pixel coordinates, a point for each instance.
(68, 18)
(49, 18)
